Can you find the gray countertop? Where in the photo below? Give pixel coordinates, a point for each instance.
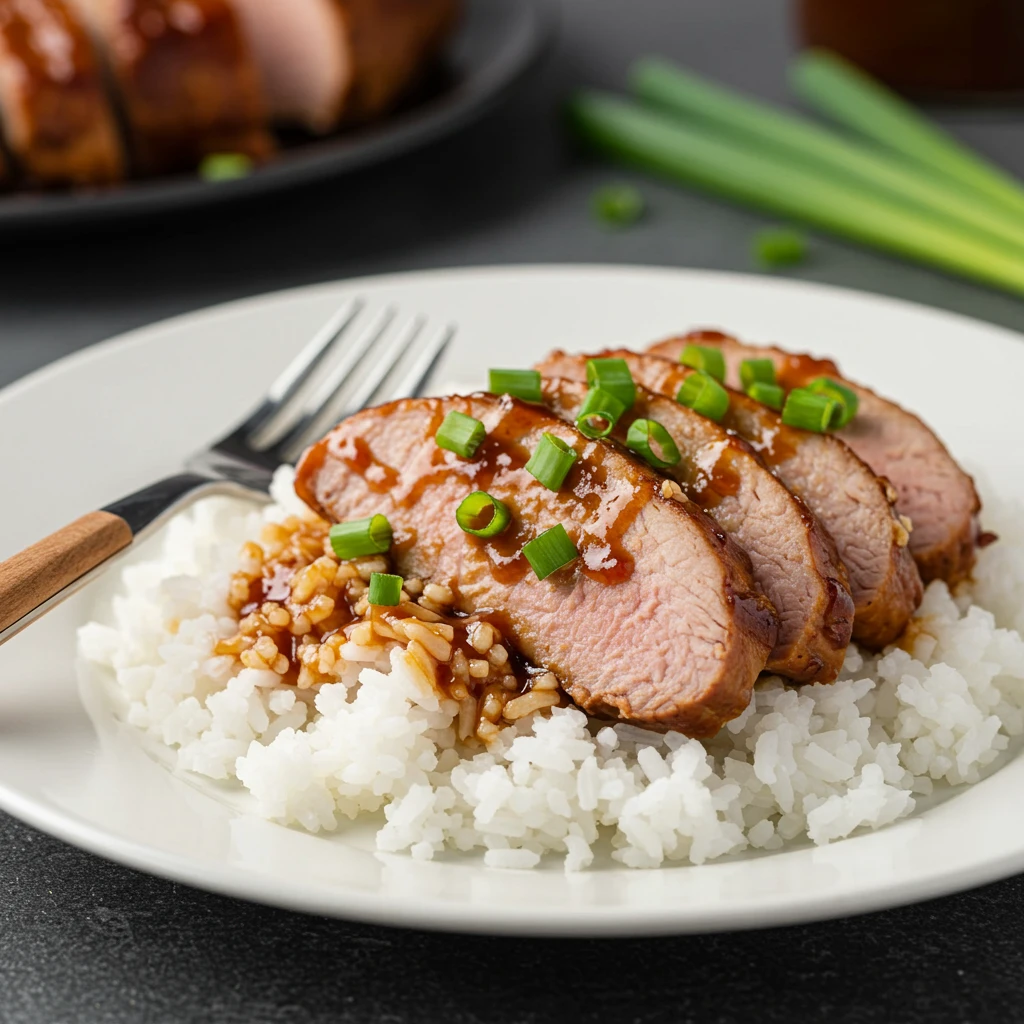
(85, 940)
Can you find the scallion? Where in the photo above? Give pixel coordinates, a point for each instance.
(225, 166)
(550, 551)
(756, 370)
(599, 413)
(846, 398)
(385, 589)
(780, 247)
(482, 515)
(642, 438)
(810, 411)
(612, 375)
(706, 358)
(702, 393)
(618, 206)
(524, 384)
(551, 461)
(771, 395)
(361, 537)
(461, 434)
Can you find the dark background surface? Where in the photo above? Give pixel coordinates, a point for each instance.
(84, 940)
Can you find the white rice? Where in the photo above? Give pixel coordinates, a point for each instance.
(817, 762)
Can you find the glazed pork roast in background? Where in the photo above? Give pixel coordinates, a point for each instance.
(659, 620)
(932, 491)
(183, 79)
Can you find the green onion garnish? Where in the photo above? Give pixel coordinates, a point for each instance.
(706, 358)
(809, 411)
(385, 589)
(461, 434)
(482, 516)
(644, 435)
(599, 413)
(617, 205)
(524, 384)
(846, 398)
(612, 375)
(361, 537)
(759, 370)
(225, 166)
(702, 393)
(550, 551)
(779, 247)
(771, 395)
(551, 461)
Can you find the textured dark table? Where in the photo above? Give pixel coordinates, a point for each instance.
(84, 940)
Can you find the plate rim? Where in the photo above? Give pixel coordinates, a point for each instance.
(430, 912)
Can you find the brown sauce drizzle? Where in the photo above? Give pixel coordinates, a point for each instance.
(356, 454)
(795, 371)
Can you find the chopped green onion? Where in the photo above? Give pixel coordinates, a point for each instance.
(551, 461)
(461, 434)
(706, 358)
(644, 435)
(599, 413)
(759, 370)
(225, 166)
(550, 551)
(360, 537)
(482, 516)
(385, 589)
(780, 247)
(612, 375)
(809, 411)
(846, 398)
(771, 395)
(524, 384)
(702, 393)
(617, 205)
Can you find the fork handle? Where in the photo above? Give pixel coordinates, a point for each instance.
(47, 567)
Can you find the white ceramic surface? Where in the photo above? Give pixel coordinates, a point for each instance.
(107, 420)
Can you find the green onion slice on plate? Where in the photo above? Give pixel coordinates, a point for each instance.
(612, 375)
(385, 589)
(651, 440)
(524, 384)
(702, 393)
(225, 166)
(599, 413)
(846, 398)
(550, 551)
(771, 395)
(810, 411)
(461, 434)
(706, 358)
(617, 205)
(361, 537)
(551, 461)
(482, 515)
(760, 371)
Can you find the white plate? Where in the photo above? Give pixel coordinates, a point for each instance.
(112, 418)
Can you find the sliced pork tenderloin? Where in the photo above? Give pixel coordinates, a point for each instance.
(934, 493)
(849, 501)
(186, 78)
(795, 562)
(325, 61)
(57, 118)
(658, 622)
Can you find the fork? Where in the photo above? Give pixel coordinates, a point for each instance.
(388, 358)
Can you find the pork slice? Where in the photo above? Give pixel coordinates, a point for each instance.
(658, 621)
(57, 119)
(186, 79)
(849, 501)
(932, 490)
(324, 61)
(794, 560)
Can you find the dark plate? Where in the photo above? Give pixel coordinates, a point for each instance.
(497, 44)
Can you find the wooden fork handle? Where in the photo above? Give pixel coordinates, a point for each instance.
(46, 568)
